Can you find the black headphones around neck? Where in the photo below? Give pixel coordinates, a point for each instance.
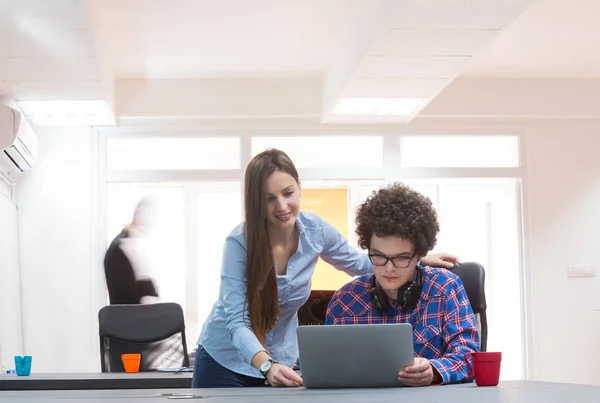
(408, 295)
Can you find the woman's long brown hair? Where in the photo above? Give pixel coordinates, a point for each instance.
(261, 288)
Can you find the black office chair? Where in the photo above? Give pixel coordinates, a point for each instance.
(472, 276)
(314, 310)
(156, 331)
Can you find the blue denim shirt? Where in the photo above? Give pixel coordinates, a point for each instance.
(227, 335)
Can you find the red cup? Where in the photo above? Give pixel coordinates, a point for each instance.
(485, 366)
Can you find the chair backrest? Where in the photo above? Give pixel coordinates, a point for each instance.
(314, 310)
(472, 275)
(155, 329)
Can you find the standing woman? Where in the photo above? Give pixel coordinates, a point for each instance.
(268, 261)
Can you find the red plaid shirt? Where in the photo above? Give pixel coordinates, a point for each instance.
(443, 323)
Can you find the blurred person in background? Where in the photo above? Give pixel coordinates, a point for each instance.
(126, 265)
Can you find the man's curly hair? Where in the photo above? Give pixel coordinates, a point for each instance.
(398, 210)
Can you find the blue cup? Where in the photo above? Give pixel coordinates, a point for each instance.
(23, 365)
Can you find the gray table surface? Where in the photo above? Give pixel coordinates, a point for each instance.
(506, 392)
(59, 381)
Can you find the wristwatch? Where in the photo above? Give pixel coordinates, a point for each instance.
(265, 367)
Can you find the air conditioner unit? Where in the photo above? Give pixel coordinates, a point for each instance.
(18, 143)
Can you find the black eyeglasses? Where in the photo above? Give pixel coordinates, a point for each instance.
(400, 262)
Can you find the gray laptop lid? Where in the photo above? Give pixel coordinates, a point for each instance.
(345, 356)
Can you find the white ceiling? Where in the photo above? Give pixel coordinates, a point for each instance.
(47, 51)
(224, 38)
(552, 38)
(240, 58)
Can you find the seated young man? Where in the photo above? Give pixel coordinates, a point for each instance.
(398, 226)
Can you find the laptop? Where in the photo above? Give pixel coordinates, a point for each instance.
(354, 356)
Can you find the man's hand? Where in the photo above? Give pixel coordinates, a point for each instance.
(418, 374)
(444, 260)
(280, 375)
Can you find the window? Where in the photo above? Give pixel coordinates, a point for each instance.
(219, 210)
(172, 153)
(459, 151)
(326, 151)
(478, 217)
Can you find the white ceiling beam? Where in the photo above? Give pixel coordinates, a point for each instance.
(411, 67)
(516, 97)
(394, 87)
(354, 47)
(272, 97)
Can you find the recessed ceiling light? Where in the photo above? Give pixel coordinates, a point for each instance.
(379, 106)
(67, 113)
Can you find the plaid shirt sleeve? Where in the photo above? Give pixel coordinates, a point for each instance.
(460, 335)
(333, 310)
(351, 303)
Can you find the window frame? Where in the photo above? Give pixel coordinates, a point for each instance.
(462, 137)
(194, 142)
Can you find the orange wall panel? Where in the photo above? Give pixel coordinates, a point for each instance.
(332, 206)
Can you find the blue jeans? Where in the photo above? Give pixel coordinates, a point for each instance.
(210, 374)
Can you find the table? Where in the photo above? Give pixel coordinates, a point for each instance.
(141, 380)
(506, 392)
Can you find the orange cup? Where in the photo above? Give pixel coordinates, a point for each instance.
(131, 362)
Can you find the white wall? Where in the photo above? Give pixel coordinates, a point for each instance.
(57, 243)
(564, 211)
(6, 188)
(11, 336)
